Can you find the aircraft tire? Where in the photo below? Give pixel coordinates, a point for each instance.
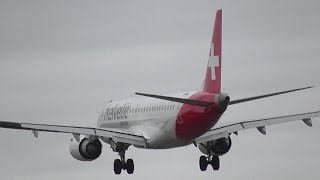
(130, 166)
(203, 163)
(215, 163)
(117, 166)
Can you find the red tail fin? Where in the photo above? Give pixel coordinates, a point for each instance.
(212, 83)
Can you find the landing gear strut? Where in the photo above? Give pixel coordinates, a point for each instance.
(205, 161)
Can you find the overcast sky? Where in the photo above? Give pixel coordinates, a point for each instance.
(61, 61)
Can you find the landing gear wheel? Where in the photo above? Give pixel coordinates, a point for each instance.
(203, 162)
(117, 166)
(215, 163)
(130, 166)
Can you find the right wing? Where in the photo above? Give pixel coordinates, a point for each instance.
(224, 129)
(117, 135)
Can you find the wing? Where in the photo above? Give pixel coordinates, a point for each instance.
(225, 129)
(117, 135)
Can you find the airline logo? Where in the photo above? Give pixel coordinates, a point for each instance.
(117, 112)
(213, 62)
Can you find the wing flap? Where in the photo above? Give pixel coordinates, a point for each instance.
(228, 128)
(123, 137)
(117, 135)
(60, 129)
(278, 120)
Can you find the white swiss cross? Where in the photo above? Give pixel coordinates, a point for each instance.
(213, 62)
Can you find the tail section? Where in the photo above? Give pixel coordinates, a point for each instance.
(212, 83)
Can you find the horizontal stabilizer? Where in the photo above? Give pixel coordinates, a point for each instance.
(266, 95)
(179, 100)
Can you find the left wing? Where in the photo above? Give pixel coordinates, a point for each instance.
(225, 129)
(117, 135)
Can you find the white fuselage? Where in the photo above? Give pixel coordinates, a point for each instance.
(154, 119)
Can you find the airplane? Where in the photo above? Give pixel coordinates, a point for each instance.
(152, 121)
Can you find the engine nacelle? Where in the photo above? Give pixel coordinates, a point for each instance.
(85, 149)
(216, 147)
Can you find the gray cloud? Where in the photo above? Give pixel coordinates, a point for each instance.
(62, 60)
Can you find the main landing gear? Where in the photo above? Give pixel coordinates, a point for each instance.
(205, 161)
(122, 164)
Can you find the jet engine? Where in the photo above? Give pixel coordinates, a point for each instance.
(87, 149)
(216, 147)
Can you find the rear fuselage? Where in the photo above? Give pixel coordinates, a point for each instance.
(164, 124)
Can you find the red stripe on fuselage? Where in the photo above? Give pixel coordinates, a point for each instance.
(193, 121)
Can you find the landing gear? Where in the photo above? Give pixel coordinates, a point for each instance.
(130, 166)
(205, 161)
(122, 164)
(117, 166)
(215, 163)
